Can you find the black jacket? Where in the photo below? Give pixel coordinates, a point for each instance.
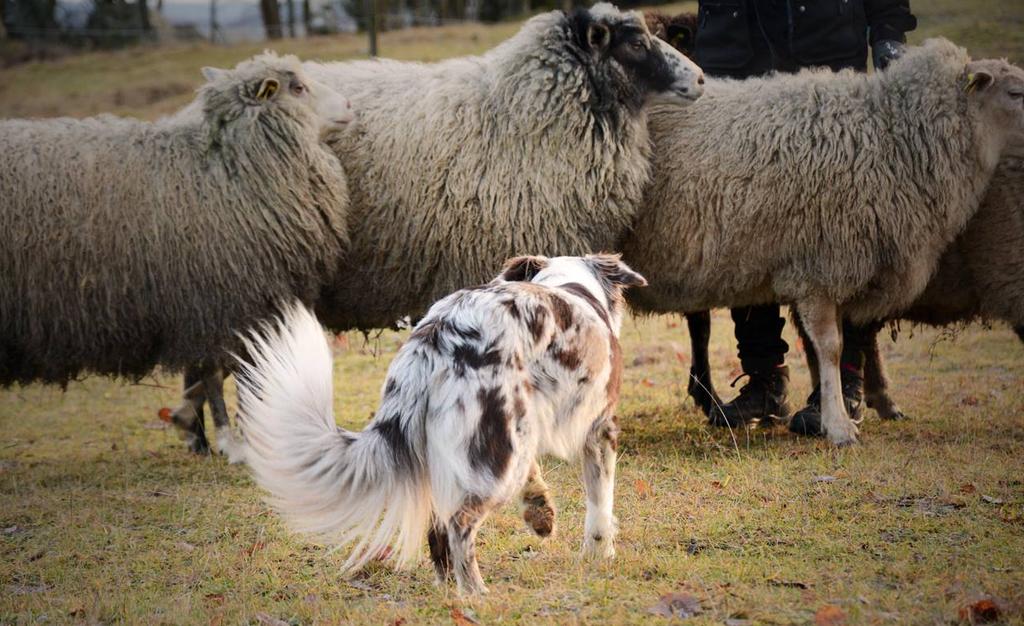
(742, 38)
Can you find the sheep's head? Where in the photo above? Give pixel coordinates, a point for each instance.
(679, 31)
(631, 63)
(996, 89)
(269, 81)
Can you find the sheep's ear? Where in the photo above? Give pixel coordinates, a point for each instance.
(611, 268)
(599, 36)
(680, 37)
(267, 89)
(212, 73)
(979, 81)
(523, 268)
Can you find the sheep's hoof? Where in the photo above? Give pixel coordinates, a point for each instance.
(197, 444)
(598, 547)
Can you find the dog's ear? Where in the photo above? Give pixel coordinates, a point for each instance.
(523, 268)
(611, 268)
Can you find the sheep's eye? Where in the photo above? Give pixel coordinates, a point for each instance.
(636, 44)
(298, 88)
(1017, 94)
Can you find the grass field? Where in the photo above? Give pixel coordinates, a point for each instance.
(105, 518)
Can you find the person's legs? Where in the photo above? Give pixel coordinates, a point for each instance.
(762, 353)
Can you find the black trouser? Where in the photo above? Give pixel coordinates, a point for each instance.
(761, 346)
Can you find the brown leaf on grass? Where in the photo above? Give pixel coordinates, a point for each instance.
(647, 382)
(969, 401)
(254, 548)
(984, 611)
(968, 488)
(643, 489)
(676, 604)
(268, 620)
(214, 598)
(460, 618)
(399, 621)
(829, 615)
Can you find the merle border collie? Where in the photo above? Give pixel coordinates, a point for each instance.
(490, 379)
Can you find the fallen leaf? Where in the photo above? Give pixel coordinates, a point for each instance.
(165, 414)
(969, 401)
(76, 612)
(796, 584)
(829, 615)
(676, 604)
(267, 620)
(991, 500)
(984, 611)
(967, 488)
(643, 489)
(462, 618)
(215, 598)
(256, 547)
(647, 382)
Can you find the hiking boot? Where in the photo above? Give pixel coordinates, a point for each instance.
(761, 399)
(807, 421)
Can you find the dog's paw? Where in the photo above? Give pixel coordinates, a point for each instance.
(598, 546)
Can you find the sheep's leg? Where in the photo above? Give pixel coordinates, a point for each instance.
(876, 382)
(440, 554)
(700, 386)
(539, 509)
(809, 353)
(462, 529)
(599, 455)
(227, 444)
(189, 417)
(821, 321)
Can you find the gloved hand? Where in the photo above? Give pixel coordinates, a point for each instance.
(885, 52)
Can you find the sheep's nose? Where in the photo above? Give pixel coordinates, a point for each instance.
(700, 79)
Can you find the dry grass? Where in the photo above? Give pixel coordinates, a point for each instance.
(104, 518)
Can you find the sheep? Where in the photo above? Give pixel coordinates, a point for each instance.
(540, 144)
(131, 244)
(980, 276)
(822, 190)
(679, 31)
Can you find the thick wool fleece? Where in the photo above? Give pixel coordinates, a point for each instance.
(982, 273)
(129, 244)
(458, 165)
(843, 186)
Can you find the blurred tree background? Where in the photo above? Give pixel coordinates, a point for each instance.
(39, 29)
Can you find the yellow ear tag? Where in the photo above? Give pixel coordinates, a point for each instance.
(971, 84)
(267, 89)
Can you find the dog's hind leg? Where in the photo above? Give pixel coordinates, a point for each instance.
(440, 554)
(599, 455)
(462, 529)
(539, 509)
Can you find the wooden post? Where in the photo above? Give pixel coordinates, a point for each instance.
(371, 25)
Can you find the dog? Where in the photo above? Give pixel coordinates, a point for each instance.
(490, 379)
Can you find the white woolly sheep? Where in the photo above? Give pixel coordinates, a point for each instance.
(836, 193)
(538, 146)
(129, 244)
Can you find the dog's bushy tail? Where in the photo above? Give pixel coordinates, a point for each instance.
(367, 490)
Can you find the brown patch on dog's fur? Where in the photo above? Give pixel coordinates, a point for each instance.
(562, 312)
(615, 377)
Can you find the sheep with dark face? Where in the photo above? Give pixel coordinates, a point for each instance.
(903, 157)
(130, 244)
(540, 144)
(679, 31)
